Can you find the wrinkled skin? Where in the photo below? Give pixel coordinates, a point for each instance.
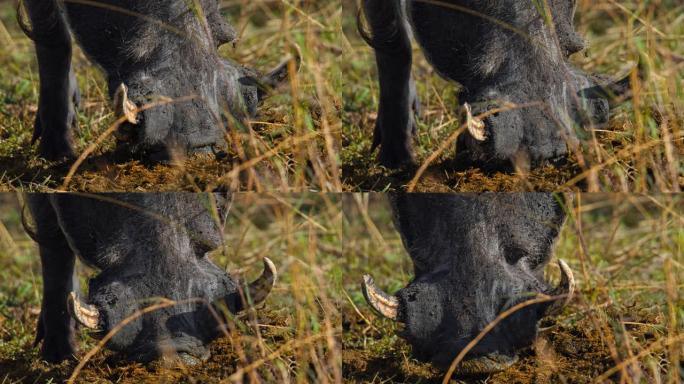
(474, 257)
(159, 50)
(502, 52)
(145, 246)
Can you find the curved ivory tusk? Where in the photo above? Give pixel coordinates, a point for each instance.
(476, 127)
(260, 288)
(385, 304)
(567, 282)
(566, 288)
(123, 107)
(87, 315)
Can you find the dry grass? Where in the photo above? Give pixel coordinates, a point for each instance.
(293, 337)
(626, 325)
(290, 146)
(638, 151)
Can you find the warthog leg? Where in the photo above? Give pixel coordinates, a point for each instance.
(59, 94)
(55, 328)
(395, 123)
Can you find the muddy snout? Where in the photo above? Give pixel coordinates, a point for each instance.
(442, 320)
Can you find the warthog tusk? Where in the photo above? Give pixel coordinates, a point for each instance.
(123, 107)
(476, 127)
(385, 304)
(566, 288)
(567, 283)
(86, 315)
(256, 292)
(261, 287)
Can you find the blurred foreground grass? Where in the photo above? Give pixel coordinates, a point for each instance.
(293, 337)
(291, 145)
(627, 254)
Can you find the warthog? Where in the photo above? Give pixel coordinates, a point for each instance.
(522, 99)
(168, 84)
(475, 257)
(146, 246)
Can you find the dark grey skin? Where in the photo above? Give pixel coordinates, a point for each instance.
(501, 52)
(158, 50)
(145, 246)
(474, 257)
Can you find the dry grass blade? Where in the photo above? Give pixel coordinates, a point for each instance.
(291, 345)
(660, 344)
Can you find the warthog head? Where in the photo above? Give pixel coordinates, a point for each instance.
(475, 257)
(157, 293)
(172, 91)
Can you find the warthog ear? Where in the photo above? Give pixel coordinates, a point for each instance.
(281, 72)
(615, 91)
